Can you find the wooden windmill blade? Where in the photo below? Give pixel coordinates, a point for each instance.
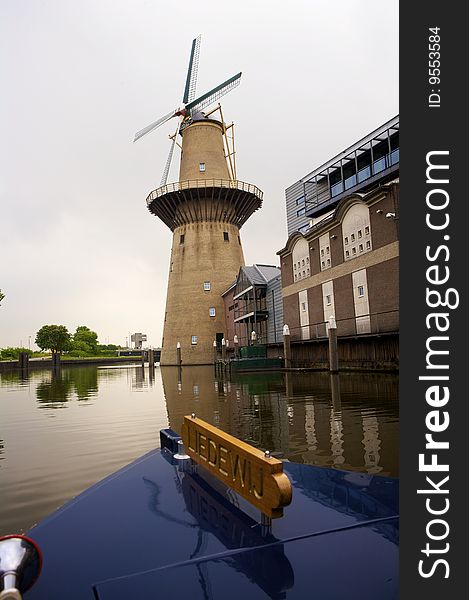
(164, 178)
(154, 125)
(191, 79)
(213, 95)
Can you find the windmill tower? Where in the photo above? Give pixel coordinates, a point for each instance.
(205, 210)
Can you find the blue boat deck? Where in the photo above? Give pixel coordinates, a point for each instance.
(159, 528)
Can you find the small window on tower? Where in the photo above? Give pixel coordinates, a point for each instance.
(226, 237)
(194, 340)
(207, 286)
(181, 238)
(211, 312)
(202, 167)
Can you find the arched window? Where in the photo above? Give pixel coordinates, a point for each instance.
(300, 255)
(356, 226)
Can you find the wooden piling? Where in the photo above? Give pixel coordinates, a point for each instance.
(333, 351)
(286, 347)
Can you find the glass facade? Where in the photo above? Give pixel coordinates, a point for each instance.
(368, 162)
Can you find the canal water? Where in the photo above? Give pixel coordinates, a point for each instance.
(59, 433)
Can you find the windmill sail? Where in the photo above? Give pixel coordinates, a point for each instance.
(154, 125)
(164, 178)
(213, 95)
(191, 79)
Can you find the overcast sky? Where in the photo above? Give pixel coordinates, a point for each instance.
(80, 77)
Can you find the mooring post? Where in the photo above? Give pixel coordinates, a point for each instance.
(215, 353)
(333, 352)
(178, 354)
(286, 347)
(253, 338)
(23, 360)
(223, 349)
(235, 342)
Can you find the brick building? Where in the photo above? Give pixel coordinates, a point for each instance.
(341, 258)
(254, 303)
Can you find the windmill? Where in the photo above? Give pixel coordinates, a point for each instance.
(191, 107)
(205, 210)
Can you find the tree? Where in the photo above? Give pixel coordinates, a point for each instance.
(53, 337)
(84, 341)
(13, 353)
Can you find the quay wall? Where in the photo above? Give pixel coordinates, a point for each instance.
(9, 365)
(373, 353)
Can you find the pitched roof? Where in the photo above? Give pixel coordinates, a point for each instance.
(261, 274)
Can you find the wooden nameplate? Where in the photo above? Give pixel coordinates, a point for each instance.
(247, 470)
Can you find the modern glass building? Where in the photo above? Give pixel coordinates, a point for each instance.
(372, 160)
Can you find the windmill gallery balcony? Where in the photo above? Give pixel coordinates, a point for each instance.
(198, 200)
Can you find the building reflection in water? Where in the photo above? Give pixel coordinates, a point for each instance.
(141, 378)
(348, 421)
(251, 408)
